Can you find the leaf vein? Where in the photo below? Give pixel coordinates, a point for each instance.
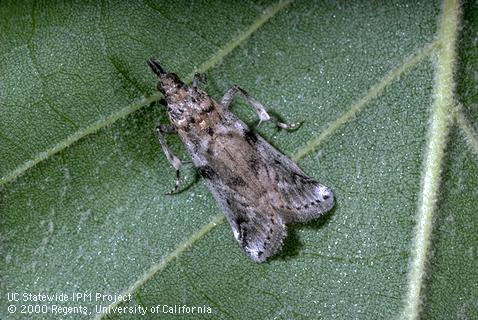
(176, 21)
(372, 93)
(183, 246)
(77, 135)
(470, 134)
(34, 60)
(103, 122)
(198, 291)
(434, 155)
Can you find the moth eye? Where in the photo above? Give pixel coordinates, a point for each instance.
(159, 87)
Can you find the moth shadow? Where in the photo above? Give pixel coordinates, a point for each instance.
(321, 221)
(292, 243)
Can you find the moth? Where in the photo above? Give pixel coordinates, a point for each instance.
(258, 188)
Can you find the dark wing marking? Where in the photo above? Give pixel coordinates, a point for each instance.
(299, 197)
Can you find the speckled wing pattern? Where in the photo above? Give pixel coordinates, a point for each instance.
(259, 210)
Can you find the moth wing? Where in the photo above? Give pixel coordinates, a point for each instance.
(259, 229)
(299, 197)
(260, 234)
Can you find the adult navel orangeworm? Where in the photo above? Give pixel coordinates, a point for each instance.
(258, 188)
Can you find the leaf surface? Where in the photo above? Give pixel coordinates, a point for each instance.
(82, 204)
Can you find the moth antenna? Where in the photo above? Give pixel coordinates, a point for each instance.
(156, 67)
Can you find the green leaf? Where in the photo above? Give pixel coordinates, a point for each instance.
(388, 95)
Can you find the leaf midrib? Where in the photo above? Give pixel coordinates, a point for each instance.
(433, 159)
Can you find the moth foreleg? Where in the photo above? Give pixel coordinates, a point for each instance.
(173, 160)
(258, 107)
(165, 128)
(198, 79)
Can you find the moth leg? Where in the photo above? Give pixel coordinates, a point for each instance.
(162, 102)
(198, 79)
(258, 107)
(173, 160)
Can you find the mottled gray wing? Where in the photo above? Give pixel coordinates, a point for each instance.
(260, 190)
(259, 229)
(299, 198)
